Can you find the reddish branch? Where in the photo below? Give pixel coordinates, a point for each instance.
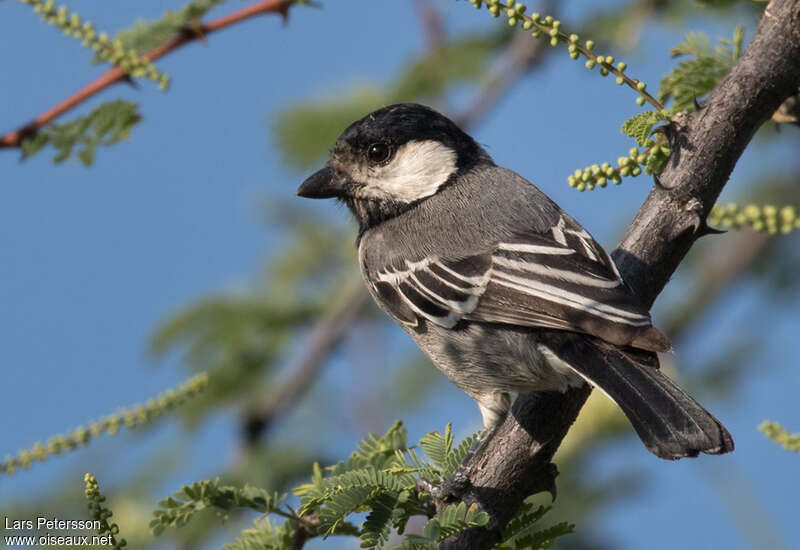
(116, 74)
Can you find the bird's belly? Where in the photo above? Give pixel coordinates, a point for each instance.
(479, 357)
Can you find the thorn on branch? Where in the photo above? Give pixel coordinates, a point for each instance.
(700, 226)
(128, 79)
(194, 30)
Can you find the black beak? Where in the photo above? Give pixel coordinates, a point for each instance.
(322, 184)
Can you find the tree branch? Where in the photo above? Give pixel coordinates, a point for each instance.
(706, 146)
(323, 338)
(114, 75)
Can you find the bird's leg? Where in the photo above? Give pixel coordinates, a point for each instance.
(494, 408)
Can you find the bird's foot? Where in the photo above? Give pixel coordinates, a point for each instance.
(448, 490)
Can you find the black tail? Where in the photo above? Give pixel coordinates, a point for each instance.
(668, 420)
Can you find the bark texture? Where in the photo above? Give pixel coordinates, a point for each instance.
(706, 145)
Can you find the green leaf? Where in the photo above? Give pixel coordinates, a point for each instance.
(192, 498)
(694, 78)
(265, 536)
(455, 518)
(146, 35)
(105, 125)
(457, 456)
(523, 533)
(639, 126)
(437, 446)
(340, 505)
(376, 528)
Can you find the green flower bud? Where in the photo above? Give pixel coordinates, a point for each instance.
(620, 80)
(589, 45)
(641, 86)
(590, 64)
(622, 66)
(640, 101)
(554, 41)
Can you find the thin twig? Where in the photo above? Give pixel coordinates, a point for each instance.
(325, 335)
(114, 75)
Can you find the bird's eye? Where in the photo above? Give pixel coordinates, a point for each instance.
(378, 153)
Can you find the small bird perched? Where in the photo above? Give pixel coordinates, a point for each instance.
(502, 289)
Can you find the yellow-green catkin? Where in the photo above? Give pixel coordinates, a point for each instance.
(100, 512)
(71, 24)
(132, 417)
(764, 218)
(781, 436)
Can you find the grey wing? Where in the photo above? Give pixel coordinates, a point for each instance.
(439, 290)
(563, 280)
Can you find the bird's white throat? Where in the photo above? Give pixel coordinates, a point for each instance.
(416, 171)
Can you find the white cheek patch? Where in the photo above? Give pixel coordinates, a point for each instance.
(416, 171)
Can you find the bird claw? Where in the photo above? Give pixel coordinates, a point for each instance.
(448, 490)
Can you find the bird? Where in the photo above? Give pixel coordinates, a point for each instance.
(504, 291)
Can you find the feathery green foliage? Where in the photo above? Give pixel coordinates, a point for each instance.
(133, 417)
(766, 218)
(100, 512)
(113, 51)
(381, 478)
(105, 125)
(522, 533)
(689, 80)
(781, 436)
(265, 535)
(146, 35)
(640, 126)
(177, 510)
(694, 78)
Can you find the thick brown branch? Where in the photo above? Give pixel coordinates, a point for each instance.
(116, 74)
(706, 146)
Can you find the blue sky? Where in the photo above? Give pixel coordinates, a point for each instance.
(91, 259)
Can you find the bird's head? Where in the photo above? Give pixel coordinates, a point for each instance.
(391, 159)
